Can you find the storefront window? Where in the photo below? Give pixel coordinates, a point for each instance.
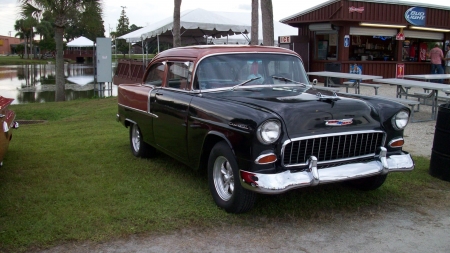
(326, 46)
(417, 50)
(372, 48)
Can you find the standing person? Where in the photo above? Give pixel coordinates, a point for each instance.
(436, 56)
(447, 61)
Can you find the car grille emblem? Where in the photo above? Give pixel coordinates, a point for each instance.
(338, 122)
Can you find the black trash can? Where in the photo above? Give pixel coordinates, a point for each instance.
(333, 67)
(440, 153)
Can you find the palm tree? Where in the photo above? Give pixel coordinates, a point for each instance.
(254, 33)
(267, 22)
(62, 11)
(24, 29)
(176, 24)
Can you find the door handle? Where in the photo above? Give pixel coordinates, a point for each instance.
(159, 93)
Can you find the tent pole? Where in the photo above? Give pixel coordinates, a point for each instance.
(143, 60)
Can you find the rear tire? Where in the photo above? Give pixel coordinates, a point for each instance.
(368, 183)
(138, 147)
(224, 181)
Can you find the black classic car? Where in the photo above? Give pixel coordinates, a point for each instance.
(249, 116)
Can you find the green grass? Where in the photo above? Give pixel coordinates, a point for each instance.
(74, 178)
(16, 60)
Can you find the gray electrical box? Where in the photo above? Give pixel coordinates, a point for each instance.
(103, 61)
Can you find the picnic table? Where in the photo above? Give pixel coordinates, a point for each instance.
(403, 85)
(357, 78)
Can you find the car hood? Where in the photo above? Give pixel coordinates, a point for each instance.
(306, 114)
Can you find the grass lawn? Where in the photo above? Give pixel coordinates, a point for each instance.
(16, 60)
(74, 178)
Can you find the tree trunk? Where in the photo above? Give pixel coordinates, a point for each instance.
(267, 22)
(59, 65)
(176, 24)
(26, 48)
(255, 26)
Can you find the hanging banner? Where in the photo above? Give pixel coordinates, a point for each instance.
(400, 36)
(400, 71)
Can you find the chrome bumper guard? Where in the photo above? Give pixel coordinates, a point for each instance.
(287, 180)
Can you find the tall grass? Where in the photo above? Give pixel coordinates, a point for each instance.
(74, 178)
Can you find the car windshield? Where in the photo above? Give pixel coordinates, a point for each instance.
(249, 71)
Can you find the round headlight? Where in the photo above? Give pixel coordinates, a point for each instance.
(400, 120)
(269, 132)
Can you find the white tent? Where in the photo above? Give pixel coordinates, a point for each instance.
(280, 29)
(196, 23)
(81, 42)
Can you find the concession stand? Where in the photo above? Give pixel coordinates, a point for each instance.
(385, 38)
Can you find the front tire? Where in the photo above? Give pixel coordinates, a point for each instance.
(138, 147)
(368, 183)
(224, 181)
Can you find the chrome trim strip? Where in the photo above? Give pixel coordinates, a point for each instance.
(139, 111)
(263, 155)
(331, 134)
(287, 180)
(394, 140)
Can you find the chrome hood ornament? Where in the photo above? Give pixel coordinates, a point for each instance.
(338, 122)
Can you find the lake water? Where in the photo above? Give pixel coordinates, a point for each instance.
(35, 83)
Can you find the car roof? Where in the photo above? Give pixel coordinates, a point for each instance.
(200, 51)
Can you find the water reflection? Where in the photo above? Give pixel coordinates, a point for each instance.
(35, 83)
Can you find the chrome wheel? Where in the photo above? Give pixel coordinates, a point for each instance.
(223, 178)
(135, 138)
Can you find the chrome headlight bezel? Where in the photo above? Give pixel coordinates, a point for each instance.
(269, 131)
(400, 120)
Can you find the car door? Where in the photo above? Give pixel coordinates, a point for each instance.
(170, 104)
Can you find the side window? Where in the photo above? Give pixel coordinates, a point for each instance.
(180, 74)
(155, 74)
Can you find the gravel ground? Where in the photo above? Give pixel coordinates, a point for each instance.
(417, 228)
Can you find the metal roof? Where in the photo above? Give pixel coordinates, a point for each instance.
(397, 2)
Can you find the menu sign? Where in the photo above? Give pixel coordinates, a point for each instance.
(416, 16)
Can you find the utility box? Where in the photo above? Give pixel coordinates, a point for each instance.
(103, 60)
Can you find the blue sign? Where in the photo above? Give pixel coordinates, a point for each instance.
(416, 16)
(346, 41)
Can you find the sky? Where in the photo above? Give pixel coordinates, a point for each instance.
(144, 12)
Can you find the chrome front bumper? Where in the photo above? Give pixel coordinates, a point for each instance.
(287, 180)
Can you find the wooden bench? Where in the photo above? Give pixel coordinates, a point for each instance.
(410, 103)
(375, 86)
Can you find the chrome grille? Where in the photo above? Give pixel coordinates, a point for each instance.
(332, 147)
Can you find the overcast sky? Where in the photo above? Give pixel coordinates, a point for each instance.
(144, 12)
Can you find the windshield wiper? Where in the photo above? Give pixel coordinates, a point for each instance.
(245, 82)
(285, 79)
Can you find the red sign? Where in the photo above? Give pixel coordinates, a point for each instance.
(400, 36)
(354, 9)
(285, 39)
(400, 71)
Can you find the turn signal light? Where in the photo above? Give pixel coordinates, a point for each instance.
(266, 158)
(397, 143)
